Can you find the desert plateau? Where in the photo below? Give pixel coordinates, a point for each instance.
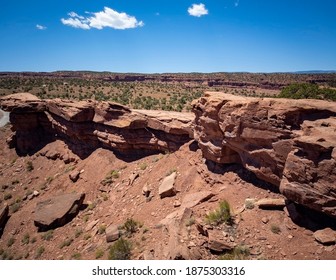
(225, 166)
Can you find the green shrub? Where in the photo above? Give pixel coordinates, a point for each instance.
(10, 242)
(120, 250)
(307, 91)
(130, 226)
(238, 253)
(26, 239)
(66, 243)
(275, 229)
(76, 256)
(101, 229)
(7, 196)
(220, 215)
(99, 254)
(143, 165)
(29, 166)
(15, 207)
(114, 174)
(78, 232)
(39, 251)
(48, 235)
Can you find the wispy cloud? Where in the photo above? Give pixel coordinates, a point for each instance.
(236, 3)
(106, 18)
(197, 10)
(41, 27)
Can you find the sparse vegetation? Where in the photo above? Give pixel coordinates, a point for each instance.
(99, 253)
(26, 239)
(7, 196)
(130, 226)
(249, 204)
(39, 251)
(113, 174)
(78, 232)
(171, 171)
(66, 243)
(275, 229)
(76, 256)
(15, 207)
(220, 215)
(307, 91)
(120, 250)
(238, 253)
(10, 241)
(48, 235)
(87, 236)
(190, 222)
(29, 166)
(143, 166)
(101, 229)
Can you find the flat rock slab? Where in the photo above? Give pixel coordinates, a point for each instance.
(325, 236)
(271, 203)
(57, 211)
(193, 199)
(3, 216)
(216, 243)
(167, 187)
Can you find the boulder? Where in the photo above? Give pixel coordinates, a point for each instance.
(193, 199)
(325, 236)
(217, 244)
(74, 175)
(132, 178)
(112, 233)
(167, 188)
(58, 210)
(271, 203)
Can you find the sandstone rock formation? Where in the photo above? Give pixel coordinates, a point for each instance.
(288, 143)
(57, 211)
(88, 125)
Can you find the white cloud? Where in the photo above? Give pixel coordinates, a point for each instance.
(197, 10)
(41, 27)
(107, 18)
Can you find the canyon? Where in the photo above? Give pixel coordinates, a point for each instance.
(243, 149)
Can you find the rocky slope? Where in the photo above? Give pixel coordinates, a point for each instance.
(288, 143)
(71, 192)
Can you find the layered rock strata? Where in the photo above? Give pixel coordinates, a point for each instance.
(87, 125)
(288, 143)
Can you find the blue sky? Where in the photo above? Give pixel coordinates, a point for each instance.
(156, 36)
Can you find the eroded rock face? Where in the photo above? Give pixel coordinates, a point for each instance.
(88, 125)
(57, 211)
(4, 210)
(288, 143)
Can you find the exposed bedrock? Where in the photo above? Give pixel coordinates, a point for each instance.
(289, 143)
(87, 125)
